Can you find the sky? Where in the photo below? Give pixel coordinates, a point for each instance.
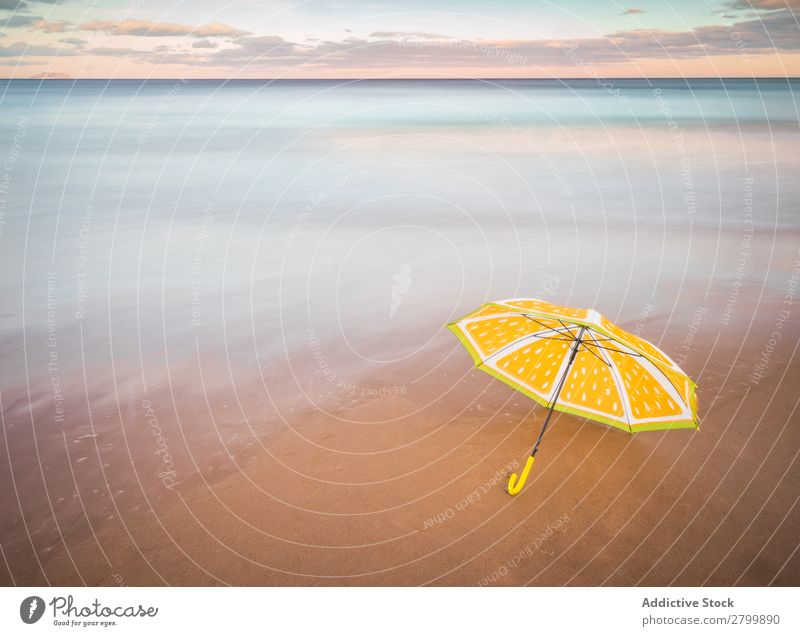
(194, 39)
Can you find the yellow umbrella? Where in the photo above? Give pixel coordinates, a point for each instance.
(579, 362)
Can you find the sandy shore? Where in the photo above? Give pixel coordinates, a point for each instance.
(402, 482)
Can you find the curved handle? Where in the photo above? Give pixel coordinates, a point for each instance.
(515, 484)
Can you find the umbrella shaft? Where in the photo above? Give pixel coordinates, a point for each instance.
(563, 379)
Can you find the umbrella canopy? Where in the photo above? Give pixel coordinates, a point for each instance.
(577, 361)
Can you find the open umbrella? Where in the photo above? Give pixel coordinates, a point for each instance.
(577, 361)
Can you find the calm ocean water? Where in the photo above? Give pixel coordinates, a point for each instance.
(147, 224)
(191, 268)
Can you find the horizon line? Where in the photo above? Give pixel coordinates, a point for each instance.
(426, 78)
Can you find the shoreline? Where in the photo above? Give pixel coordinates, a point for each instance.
(410, 489)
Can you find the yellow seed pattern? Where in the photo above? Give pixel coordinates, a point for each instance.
(489, 310)
(494, 333)
(634, 341)
(591, 387)
(646, 396)
(678, 380)
(536, 365)
(540, 305)
(590, 384)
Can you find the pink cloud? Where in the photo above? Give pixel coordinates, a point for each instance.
(53, 27)
(147, 28)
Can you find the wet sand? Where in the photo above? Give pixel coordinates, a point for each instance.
(399, 478)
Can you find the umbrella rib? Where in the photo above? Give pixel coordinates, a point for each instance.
(566, 327)
(593, 353)
(672, 384)
(556, 330)
(516, 342)
(646, 356)
(536, 335)
(627, 353)
(654, 362)
(615, 373)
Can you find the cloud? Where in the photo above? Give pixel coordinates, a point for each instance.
(766, 33)
(147, 28)
(401, 35)
(271, 46)
(55, 26)
(223, 47)
(767, 5)
(73, 41)
(24, 50)
(19, 20)
(632, 11)
(367, 53)
(136, 55)
(763, 34)
(18, 5)
(35, 22)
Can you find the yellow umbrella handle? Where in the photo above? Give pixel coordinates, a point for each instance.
(515, 484)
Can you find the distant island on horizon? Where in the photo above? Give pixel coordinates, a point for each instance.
(49, 76)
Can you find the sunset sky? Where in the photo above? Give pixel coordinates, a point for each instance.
(398, 38)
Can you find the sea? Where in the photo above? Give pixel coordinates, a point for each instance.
(187, 265)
